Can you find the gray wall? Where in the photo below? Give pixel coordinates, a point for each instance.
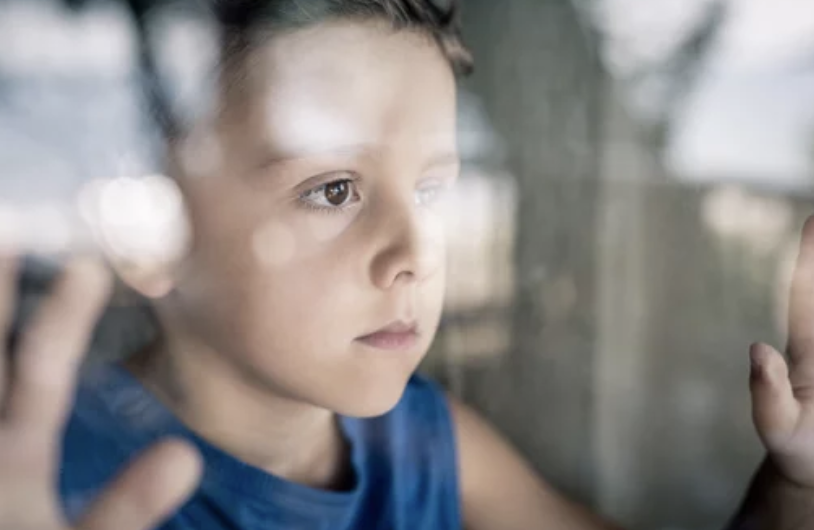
(624, 377)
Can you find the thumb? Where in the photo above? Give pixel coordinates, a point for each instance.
(775, 410)
(148, 490)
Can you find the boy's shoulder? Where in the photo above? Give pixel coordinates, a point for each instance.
(114, 418)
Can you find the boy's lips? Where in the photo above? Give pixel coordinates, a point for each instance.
(396, 336)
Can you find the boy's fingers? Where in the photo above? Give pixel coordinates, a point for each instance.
(52, 346)
(8, 274)
(775, 410)
(148, 491)
(801, 304)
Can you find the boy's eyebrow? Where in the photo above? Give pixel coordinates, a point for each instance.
(443, 158)
(274, 157)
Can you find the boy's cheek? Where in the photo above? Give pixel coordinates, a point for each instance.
(325, 228)
(432, 247)
(279, 243)
(274, 245)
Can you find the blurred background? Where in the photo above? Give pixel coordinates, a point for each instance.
(636, 175)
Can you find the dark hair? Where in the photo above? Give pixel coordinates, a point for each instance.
(243, 25)
(242, 22)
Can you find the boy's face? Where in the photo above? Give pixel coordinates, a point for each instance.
(321, 222)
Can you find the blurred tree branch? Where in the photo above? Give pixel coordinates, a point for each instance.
(674, 75)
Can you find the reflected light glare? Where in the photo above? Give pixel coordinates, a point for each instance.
(296, 127)
(140, 221)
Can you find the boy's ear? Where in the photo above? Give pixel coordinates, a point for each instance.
(141, 227)
(148, 282)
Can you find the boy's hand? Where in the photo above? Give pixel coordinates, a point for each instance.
(36, 388)
(783, 394)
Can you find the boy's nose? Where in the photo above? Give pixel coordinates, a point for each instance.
(412, 250)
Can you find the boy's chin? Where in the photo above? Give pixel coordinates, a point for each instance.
(368, 402)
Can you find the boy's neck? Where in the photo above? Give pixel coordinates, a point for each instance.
(290, 439)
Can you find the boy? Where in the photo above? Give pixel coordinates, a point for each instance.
(289, 333)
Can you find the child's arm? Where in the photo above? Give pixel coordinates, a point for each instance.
(500, 492)
(35, 394)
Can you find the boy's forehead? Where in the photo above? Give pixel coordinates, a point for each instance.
(331, 87)
(308, 126)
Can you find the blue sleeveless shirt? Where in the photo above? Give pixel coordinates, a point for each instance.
(405, 465)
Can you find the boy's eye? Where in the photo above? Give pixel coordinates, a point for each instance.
(336, 194)
(431, 194)
(425, 197)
